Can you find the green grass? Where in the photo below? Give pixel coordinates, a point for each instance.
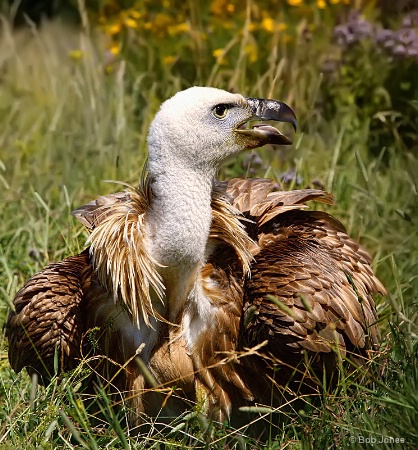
(69, 125)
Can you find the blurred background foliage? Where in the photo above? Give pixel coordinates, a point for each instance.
(367, 51)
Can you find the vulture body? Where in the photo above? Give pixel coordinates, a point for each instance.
(226, 290)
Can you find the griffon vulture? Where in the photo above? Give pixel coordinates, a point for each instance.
(229, 289)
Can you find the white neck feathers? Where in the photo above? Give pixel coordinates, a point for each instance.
(177, 224)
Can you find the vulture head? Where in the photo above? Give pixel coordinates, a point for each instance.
(201, 127)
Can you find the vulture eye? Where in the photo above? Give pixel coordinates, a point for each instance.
(220, 111)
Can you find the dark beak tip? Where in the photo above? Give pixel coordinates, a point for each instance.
(287, 141)
(286, 114)
(280, 140)
(269, 109)
(294, 124)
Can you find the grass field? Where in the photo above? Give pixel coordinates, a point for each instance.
(70, 120)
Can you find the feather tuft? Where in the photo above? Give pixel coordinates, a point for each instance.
(227, 226)
(120, 256)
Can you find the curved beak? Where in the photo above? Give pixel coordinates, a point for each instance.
(265, 110)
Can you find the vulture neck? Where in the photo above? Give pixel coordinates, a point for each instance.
(178, 223)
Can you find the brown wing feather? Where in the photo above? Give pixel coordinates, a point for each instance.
(97, 211)
(94, 212)
(259, 196)
(308, 263)
(305, 261)
(48, 317)
(214, 355)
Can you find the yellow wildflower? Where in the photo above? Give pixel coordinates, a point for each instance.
(271, 25)
(295, 2)
(75, 55)
(321, 4)
(161, 23)
(113, 29)
(178, 28)
(251, 51)
(218, 7)
(268, 24)
(218, 52)
(115, 48)
(168, 60)
(135, 14)
(230, 7)
(131, 23)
